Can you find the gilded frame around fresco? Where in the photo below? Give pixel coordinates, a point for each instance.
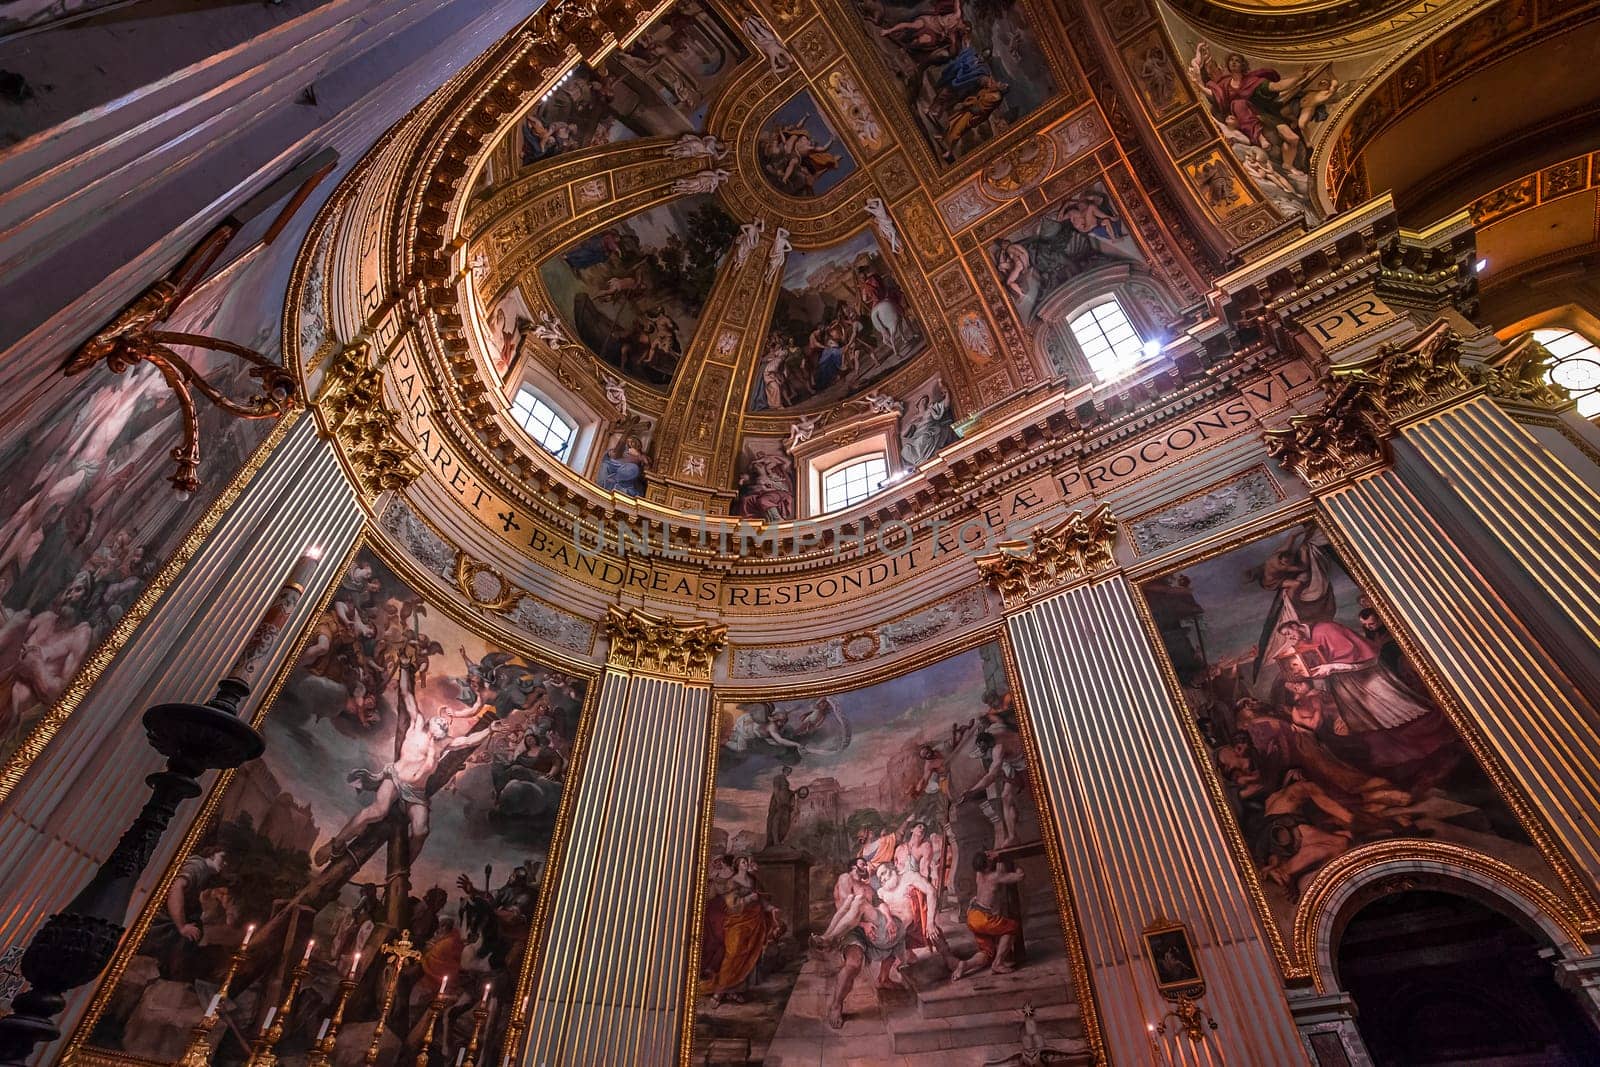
(1066, 909)
(1579, 911)
(78, 1052)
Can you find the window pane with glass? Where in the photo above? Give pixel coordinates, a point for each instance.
(1575, 366)
(549, 427)
(852, 482)
(1108, 340)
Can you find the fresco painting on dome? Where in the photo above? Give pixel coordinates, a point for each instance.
(411, 782)
(633, 292)
(799, 152)
(88, 515)
(968, 69)
(878, 890)
(1319, 726)
(841, 322)
(627, 456)
(927, 424)
(662, 84)
(1269, 115)
(1079, 233)
(765, 477)
(508, 331)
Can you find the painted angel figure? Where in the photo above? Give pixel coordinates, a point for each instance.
(616, 395)
(705, 181)
(779, 253)
(820, 729)
(768, 44)
(803, 430)
(885, 225)
(697, 146)
(749, 236)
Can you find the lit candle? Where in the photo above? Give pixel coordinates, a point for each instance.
(216, 1001)
(354, 963)
(307, 957)
(486, 988)
(249, 932)
(324, 1031)
(255, 653)
(442, 983)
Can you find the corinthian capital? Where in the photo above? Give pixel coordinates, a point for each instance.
(1349, 436)
(1054, 557)
(1520, 375)
(1407, 379)
(657, 644)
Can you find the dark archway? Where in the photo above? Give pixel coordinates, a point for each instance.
(1440, 979)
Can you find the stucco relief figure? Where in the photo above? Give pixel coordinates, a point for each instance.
(749, 237)
(461, 776)
(887, 888)
(878, 211)
(1315, 722)
(778, 254)
(697, 146)
(768, 43)
(705, 181)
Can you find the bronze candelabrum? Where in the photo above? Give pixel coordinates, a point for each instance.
(199, 1052)
(321, 1054)
(480, 1019)
(261, 1052)
(436, 1006)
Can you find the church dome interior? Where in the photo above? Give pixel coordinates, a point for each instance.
(774, 532)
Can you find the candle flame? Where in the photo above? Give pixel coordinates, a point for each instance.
(314, 552)
(249, 932)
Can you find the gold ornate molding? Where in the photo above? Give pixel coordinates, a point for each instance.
(352, 412)
(659, 644)
(1053, 558)
(1519, 375)
(1349, 436)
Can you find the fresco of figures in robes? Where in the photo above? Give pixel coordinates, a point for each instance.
(87, 514)
(663, 83)
(878, 889)
(1319, 726)
(968, 69)
(411, 782)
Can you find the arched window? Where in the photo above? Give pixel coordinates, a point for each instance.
(1107, 339)
(544, 423)
(1575, 366)
(853, 481)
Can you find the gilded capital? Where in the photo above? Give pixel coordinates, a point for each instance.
(1414, 377)
(1349, 436)
(1053, 557)
(1520, 375)
(658, 644)
(351, 408)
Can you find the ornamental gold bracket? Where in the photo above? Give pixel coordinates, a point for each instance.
(1347, 437)
(661, 645)
(132, 338)
(1054, 557)
(353, 414)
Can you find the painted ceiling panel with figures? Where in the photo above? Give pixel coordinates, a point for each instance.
(752, 219)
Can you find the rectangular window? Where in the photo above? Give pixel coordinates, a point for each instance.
(549, 427)
(1109, 342)
(852, 482)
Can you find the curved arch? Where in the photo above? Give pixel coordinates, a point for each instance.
(1359, 877)
(1148, 302)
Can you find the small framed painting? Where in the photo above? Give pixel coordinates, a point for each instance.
(1172, 958)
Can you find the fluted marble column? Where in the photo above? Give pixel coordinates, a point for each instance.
(1486, 628)
(1140, 838)
(65, 815)
(610, 983)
